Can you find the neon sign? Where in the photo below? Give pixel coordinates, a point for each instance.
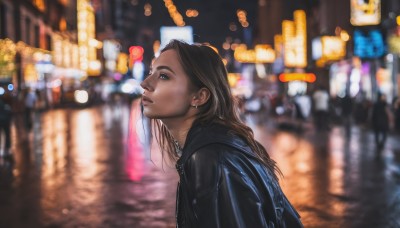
(365, 13)
(307, 77)
(369, 45)
(294, 35)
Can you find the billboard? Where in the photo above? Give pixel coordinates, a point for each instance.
(168, 33)
(365, 12)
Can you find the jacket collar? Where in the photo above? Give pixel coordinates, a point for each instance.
(201, 135)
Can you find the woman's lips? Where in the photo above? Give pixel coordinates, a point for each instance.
(146, 100)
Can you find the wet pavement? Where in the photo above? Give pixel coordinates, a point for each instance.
(91, 168)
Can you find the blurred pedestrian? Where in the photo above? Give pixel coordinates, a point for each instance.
(227, 178)
(303, 106)
(321, 108)
(396, 110)
(302, 103)
(347, 111)
(380, 121)
(30, 102)
(5, 127)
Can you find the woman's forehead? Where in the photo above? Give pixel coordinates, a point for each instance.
(169, 57)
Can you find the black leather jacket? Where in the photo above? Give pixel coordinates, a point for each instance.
(222, 184)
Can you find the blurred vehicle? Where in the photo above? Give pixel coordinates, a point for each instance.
(130, 88)
(77, 93)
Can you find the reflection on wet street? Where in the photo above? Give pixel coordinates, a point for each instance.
(93, 168)
(335, 179)
(79, 168)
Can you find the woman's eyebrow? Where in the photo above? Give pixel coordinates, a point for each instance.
(164, 68)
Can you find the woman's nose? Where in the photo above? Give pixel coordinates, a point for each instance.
(142, 84)
(145, 84)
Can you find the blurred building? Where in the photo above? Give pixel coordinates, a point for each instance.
(346, 54)
(30, 33)
(30, 25)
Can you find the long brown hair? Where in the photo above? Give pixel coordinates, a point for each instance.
(205, 68)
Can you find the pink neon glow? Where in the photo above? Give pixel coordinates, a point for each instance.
(134, 163)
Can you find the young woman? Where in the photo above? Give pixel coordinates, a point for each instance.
(227, 179)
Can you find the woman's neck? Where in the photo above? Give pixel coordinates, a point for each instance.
(179, 129)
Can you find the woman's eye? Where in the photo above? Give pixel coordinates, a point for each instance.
(164, 76)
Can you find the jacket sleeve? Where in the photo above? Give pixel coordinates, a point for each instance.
(222, 194)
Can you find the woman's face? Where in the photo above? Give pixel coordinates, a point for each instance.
(167, 90)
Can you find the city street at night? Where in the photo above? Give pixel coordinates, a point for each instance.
(84, 82)
(91, 168)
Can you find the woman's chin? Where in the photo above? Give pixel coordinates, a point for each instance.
(149, 114)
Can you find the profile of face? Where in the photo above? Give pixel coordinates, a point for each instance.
(168, 92)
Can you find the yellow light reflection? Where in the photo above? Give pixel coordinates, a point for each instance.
(54, 131)
(83, 131)
(313, 170)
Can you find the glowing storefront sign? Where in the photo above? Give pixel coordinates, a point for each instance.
(111, 49)
(75, 56)
(86, 39)
(394, 44)
(7, 56)
(307, 77)
(57, 50)
(328, 48)
(394, 41)
(65, 53)
(333, 47)
(365, 13)
(122, 63)
(294, 35)
(262, 53)
(369, 44)
(278, 45)
(30, 73)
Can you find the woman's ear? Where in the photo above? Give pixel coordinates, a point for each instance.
(201, 97)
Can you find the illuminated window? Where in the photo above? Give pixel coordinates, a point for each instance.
(64, 2)
(39, 4)
(63, 25)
